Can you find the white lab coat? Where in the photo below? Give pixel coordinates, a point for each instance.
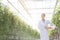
(43, 31)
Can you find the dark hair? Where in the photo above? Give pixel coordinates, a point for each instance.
(43, 14)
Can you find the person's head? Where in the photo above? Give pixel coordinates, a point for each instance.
(43, 16)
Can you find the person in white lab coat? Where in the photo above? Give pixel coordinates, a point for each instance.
(43, 27)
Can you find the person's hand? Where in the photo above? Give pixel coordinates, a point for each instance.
(48, 27)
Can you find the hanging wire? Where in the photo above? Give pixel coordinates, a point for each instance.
(21, 2)
(16, 8)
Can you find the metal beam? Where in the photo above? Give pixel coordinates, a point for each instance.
(39, 0)
(56, 5)
(21, 2)
(16, 9)
(39, 8)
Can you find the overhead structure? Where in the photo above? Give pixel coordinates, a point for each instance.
(30, 10)
(36, 7)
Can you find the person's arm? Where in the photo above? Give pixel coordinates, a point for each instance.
(51, 25)
(48, 27)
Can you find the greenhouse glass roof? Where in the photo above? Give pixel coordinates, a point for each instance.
(30, 10)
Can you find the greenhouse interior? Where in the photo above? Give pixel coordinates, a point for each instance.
(19, 19)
